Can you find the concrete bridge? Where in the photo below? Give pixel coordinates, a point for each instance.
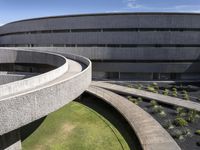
(27, 100)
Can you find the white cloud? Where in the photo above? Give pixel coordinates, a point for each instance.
(1, 24)
(187, 8)
(134, 4)
(130, 4)
(113, 11)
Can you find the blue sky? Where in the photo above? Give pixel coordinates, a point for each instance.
(11, 10)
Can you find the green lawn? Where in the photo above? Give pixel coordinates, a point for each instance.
(75, 127)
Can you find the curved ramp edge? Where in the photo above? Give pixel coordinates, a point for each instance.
(150, 133)
(25, 106)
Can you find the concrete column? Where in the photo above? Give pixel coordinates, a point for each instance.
(11, 141)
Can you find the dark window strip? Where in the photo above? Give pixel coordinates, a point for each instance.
(145, 61)
(104, 45)
(104, 30)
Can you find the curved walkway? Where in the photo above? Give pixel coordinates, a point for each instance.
(27, 100)
(150, 133)
(148, 95)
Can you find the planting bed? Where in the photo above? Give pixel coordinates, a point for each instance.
(186, 91)
(177, 123)
(181, 123)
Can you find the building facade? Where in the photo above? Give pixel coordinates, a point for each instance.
(138, 46)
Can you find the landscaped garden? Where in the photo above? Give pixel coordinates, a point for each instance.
(186, 91)
(181, 123)
(75, 127)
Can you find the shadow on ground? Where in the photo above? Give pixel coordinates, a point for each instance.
(28, 129)
(114, 117)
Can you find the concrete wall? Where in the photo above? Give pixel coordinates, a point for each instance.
(145, 53)
(142, 37)
(160, 60)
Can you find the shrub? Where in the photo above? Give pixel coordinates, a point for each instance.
(174, 89)
(151, 89)
(134, 100)
(153, 103)
(197, 132)
(186, 97)
(180, 122)
(159, 110)
(139, 86)
(166, 92)
(174, 93)
(129, 97)
(186, 132)
(130, 85)
(140, 99)
(154, 84)
(184, 92)
(168, 124)
(176, 133)
(181, 112)
(192, 116)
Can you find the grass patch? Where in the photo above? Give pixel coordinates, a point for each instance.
(77, 127)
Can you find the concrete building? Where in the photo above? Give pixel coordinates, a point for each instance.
(141, 46)
(51, 56)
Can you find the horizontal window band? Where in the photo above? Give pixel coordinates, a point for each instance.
(144, 61)
(105, 30)
(105, 45)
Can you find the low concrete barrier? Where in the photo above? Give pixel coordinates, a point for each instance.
(14, 87)
(7, 77)
(150, 133)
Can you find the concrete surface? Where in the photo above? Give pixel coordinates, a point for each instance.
(150, 133)
(26, 104)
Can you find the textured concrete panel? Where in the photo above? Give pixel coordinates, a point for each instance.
(179, 56)
(145, 53)
(112, 20)
(142, 37)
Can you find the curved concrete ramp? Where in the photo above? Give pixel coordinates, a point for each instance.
(27, 100)
(150, 133)
(148, 95)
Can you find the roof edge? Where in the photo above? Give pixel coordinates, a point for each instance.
(106, 14)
